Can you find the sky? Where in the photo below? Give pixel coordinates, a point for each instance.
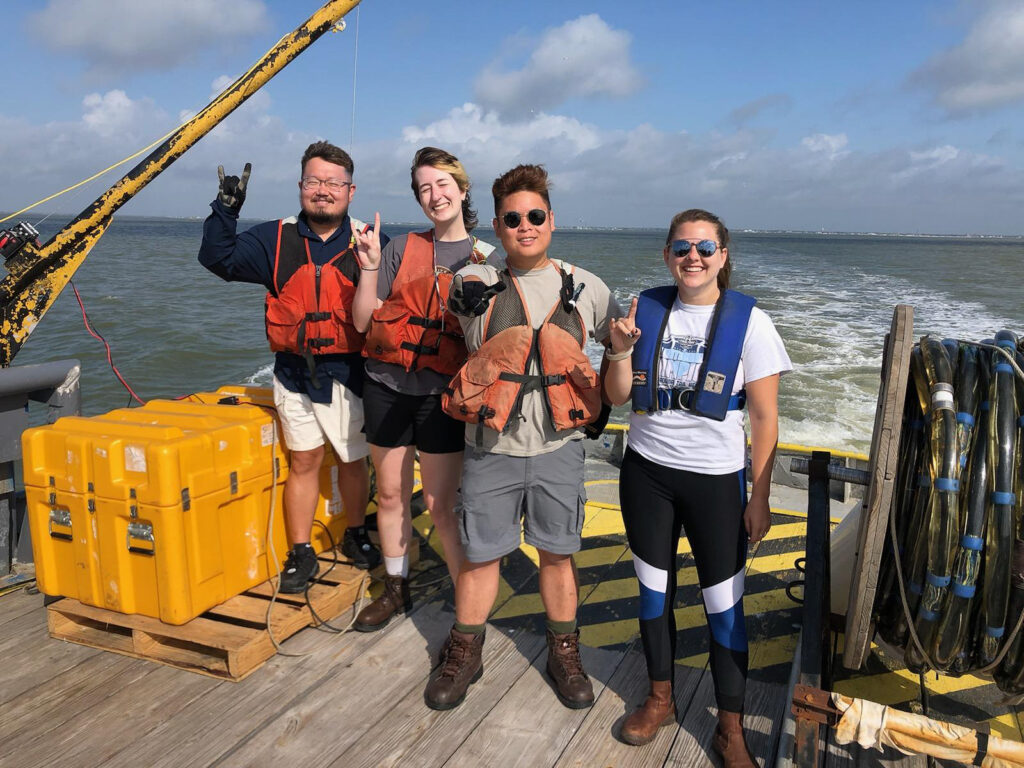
(864, 117)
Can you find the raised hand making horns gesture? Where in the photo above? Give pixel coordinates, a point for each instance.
(624, 333)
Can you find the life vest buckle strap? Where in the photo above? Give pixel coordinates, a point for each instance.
(553, 380)
(317, 317)
(425, 322)
(317, 343)
(518, 378)
(420, 349)
(681, 399)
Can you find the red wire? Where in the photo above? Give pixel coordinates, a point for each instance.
(110, 361)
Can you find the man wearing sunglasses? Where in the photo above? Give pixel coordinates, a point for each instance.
(526, 392)
(308, 267)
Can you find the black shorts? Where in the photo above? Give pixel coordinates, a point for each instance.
(394, 419)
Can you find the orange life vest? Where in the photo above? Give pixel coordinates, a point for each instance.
(413, 327)
(488, 389)
(310, 310)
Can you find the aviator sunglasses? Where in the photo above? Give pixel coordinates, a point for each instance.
(536, 217)
(705, 248)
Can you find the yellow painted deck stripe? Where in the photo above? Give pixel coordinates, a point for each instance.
(618, 589)
(622, 630)
(766, 652)
(590, 558)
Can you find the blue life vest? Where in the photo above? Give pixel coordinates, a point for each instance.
(711, 395)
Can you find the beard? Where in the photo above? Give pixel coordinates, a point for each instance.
(322, 216)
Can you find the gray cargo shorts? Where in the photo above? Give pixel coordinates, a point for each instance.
(543, 494)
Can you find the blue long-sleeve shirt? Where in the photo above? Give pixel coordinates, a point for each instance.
(248, 257)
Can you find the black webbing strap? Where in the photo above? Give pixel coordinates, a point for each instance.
(420, 349)
(982, 730)
(425, 322)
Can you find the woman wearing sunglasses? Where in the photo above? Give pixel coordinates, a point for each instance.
(414, 345)
(699, 352)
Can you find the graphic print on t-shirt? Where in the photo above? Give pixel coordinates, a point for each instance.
(680, 361)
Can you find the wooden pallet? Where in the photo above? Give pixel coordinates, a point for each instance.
(230, 641)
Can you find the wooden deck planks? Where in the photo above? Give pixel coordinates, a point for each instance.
(764, 704)
(334, 711)
(597, 742)
(530, 726)
(230, 714)
(408, 733)
(142, 695)
(18, 602)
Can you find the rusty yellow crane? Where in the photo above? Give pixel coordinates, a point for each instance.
(36, 274)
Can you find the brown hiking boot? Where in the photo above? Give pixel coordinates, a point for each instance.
(659, 710)
(732, 748)
(566, 669)
(461, 665)
(394, 599)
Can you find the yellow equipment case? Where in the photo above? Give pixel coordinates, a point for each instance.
(163, 510)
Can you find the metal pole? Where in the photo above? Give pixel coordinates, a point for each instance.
(815, 666)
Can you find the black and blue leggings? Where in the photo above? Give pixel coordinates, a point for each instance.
(658, 503)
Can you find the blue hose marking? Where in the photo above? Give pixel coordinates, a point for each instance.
(925, 615)
(1004, 497)
(937, 581)
(962, 417)
(947, 484)
(1004, 368)
(972, 542)
(994, 631)
(963, 590)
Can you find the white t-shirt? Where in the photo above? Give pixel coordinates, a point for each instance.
(683, 440)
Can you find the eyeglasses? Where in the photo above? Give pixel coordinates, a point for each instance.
(705, 248)
(335, 185)
(537, 216)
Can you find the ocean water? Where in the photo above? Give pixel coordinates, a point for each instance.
(175, 328)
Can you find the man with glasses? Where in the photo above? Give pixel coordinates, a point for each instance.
(308, 266)
(526, 393)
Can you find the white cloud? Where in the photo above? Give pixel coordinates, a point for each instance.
(582, 58)
(113, 35)
(986, 70)
(112, 125)
(830, 144)
(114, 114)
(635, 177)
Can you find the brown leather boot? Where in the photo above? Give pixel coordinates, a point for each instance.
(461, 666)
(729, 742)
(659, 710)
(566, 669)
(393, 600)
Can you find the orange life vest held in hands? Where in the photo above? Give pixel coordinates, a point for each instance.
(311, 313)
(413, 327)
(489, 388)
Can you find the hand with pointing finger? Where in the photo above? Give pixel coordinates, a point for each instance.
(231, 192)
(624, 333)
(368, 246)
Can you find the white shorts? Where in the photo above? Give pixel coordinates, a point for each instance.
(305, 424)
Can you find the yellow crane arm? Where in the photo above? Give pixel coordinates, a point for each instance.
(37, 274)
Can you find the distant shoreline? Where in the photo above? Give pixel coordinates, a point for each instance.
(604, 230)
